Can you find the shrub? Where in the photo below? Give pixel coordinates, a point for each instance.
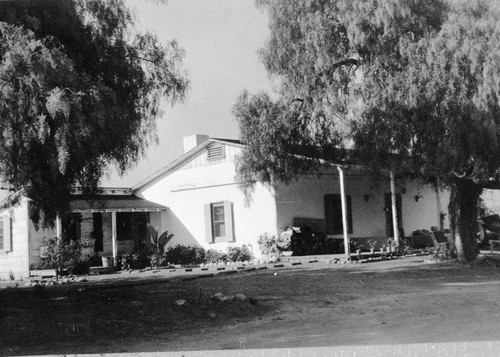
(126, 261)
(157, 242)
(237, 254)
(268, 245)
(215, 256)
(156, 260)
(185, 255)
(62, 256)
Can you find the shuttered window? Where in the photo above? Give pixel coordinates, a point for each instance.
(333, 214)
(219, 222)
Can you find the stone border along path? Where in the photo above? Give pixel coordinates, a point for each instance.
(191, 273)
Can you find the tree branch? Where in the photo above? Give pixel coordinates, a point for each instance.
(346, 62)
(152, 62)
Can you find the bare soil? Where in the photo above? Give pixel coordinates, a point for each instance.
(400, 301)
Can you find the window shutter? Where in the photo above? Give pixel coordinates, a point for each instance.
(349, 214)
(228, 214)
(208, 223)
(7, 236)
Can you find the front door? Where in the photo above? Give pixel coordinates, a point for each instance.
(389, 228)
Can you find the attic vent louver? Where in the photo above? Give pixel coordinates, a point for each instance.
(216, 152)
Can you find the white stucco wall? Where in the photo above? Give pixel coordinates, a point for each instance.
(423, 214)
(17, 259)
(491, 200)
(186, 191)
(305, 199)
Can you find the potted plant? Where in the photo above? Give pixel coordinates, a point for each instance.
(372, 244)
(357, 247)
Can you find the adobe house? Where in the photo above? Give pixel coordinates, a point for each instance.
(196, 197)
(206, 205)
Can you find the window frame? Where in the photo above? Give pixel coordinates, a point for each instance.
(216, 222)
(211, 222)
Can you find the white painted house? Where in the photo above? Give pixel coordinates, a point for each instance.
(197, 199)
(207, 207)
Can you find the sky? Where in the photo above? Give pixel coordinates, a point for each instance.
(221, 39)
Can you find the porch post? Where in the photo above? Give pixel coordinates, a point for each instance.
(58, 227)
(344, 213)
(114, 241)
(394, 209)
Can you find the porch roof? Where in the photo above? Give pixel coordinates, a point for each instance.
(113, 203)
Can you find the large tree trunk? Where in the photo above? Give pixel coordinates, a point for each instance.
(463, 218)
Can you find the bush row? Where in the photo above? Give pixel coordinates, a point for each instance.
(185, 255)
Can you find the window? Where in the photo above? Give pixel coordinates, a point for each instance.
(216, 152)
(71, 227)
(131, 225)
(333, 214)
(5, 234)
(219, 222)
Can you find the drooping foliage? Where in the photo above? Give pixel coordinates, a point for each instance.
(272, 129)
(79, 91)
(412, 83)
(318, 52)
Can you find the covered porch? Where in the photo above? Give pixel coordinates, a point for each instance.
(116, 223)
(345, 206)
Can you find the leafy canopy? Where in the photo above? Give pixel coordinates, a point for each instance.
(320, 52)
(79, 91)
(411, 83)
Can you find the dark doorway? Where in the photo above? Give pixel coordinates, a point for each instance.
(71, 227)
(97, 233)
(333, 214)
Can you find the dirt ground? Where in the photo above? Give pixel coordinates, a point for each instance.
(406, 300)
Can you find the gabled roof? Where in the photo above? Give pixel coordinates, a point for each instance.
(183, 158)
(229, 141)
(10, 198)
